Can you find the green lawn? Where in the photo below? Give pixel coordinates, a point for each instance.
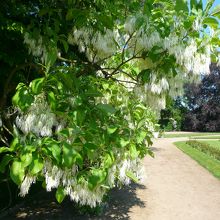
(215, 143)
(195, 134)
(211, 164)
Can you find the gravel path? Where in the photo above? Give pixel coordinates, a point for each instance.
(176, 188)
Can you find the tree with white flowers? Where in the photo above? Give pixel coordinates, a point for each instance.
(85, 125)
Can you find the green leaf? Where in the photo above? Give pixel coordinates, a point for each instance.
(29, 148)
(4, 162)
(26, 159)
(124, 142)
(111, 129)
(14, 144)
(52, 100)
(80, 116)
(36, 165)
(168, 3)
(90, 146)
(36, 85)
(133, 151)
(109, 109)
(193, 4)
(71, 156)
(68, 155)
(5, 149)
(17, 172)
(56, 151)
(132, 176)
(51, 56)
(20, 85)
(22, 98)
(69, 15)
(65, 45)
(108, 161)
(60, 194)
(98, 176)
(141, 136)
(64, 132)
(208, 6)
(212, 22)
(93, 93)
(216, 11)
(145, 75)
(181, 5)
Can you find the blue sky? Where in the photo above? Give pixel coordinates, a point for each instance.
(217, 2)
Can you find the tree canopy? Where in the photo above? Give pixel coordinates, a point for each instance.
(203, 103)
(90, 73)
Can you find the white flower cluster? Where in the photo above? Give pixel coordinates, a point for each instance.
(96, 45)
(39, 119)
(153, 93)
(35, 46)
(133, 166)
(147, 40)
(80, 192)
(129, 25)
(188, 55)
(55, 176)
(26, 184)
(155, 101)
(144, 38)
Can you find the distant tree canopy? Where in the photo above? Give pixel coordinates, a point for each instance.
(198, 109)
(203, 103)
(171, 118)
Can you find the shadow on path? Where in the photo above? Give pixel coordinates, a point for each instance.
(43, 206)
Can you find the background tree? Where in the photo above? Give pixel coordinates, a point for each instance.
(172, 117)
(203, 103)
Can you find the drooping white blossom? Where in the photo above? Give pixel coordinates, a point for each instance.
(135, 166)
(96, 45)
(129, 25)
(36, 46)
(39, 119)
(26, 184)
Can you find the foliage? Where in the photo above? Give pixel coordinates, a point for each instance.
(82, 122)
(171, 118)
(203, 102)
(211, 164)
(77, 133)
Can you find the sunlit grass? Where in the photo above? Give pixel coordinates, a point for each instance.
(211, 164)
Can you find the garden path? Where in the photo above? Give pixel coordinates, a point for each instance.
(176, 188)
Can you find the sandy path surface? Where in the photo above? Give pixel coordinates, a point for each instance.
(176, 188)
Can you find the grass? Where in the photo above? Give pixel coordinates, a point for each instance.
(211, 164)
(215, 144)
(195, 134)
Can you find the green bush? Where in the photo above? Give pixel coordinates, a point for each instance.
(206, 148)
